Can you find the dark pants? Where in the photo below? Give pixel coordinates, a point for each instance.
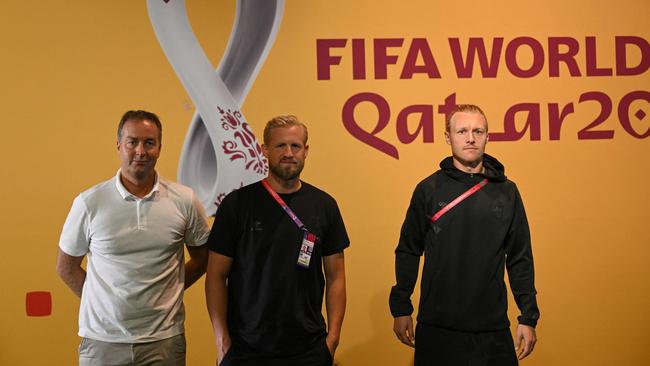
(317, 356)
(437, 346)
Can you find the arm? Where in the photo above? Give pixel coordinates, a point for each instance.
(70, 271)
(407, 261)
(519, 262)
(196, 235)
(334, 297)
(75, 239)
(196, 266)
(216, 295)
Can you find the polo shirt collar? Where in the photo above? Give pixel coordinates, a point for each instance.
(125, 192)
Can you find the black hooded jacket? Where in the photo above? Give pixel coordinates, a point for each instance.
(466, 251)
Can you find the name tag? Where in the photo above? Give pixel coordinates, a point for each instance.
(306, 249)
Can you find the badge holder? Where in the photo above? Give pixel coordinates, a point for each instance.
(306, 249)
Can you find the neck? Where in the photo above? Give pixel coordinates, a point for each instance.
(138, 187)
(471, 168)
(283, 185)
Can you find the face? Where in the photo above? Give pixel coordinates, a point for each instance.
(286, 152)
(139, 148)
(467, 136)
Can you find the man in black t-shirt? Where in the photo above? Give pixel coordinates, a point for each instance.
(269, 245)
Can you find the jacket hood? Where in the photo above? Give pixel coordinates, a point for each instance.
(494, 170)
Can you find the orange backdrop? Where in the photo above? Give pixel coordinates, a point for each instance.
(69, 70)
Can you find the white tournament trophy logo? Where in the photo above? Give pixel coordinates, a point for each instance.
(220, 153)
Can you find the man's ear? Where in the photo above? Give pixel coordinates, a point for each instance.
(306, 150)
(447, 138)
(265, 151)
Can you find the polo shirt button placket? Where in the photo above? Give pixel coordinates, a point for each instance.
(139, 213)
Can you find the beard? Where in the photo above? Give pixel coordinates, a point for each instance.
(141, 172)
(287, 172)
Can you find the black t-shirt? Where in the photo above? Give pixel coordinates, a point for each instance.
(274, 305)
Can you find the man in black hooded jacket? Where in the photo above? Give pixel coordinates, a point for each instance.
(469, 221)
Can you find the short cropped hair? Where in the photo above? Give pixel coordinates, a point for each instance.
(139, 115)
(283, 121)
(467, 108)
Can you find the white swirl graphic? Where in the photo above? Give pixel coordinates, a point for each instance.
(220, 153)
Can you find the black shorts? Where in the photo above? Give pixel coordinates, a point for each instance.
(438, 346)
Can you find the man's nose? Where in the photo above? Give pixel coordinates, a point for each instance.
(470, 137)
(287, 152)
(139, 148)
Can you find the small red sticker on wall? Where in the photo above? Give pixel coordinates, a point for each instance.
(38, 303)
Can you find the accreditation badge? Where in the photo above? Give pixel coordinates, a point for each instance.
(306, 249)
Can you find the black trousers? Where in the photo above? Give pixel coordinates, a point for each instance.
(317, 356)
(442, 347)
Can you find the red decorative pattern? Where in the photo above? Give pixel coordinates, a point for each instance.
(221, 196)
(243, 146)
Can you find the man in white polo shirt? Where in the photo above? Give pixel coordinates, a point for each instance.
(132, 228)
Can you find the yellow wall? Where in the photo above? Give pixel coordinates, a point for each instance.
(70, 69)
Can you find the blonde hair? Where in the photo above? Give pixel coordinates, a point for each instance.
(287, 120)
(467, 108)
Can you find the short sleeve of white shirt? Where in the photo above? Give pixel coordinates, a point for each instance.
(75, 236)
(197, 230)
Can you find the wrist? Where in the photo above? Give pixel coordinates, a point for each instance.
(222, 339)
(333, 338)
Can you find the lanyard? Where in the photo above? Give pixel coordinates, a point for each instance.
(282, 204)
(459, 199)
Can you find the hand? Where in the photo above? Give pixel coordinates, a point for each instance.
(332, 343)
(223, 347)
(403, 328)
(525, 340)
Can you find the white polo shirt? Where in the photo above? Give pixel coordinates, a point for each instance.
(133, 291)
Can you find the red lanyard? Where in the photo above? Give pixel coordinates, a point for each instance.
(459, 199)
(282, 204)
